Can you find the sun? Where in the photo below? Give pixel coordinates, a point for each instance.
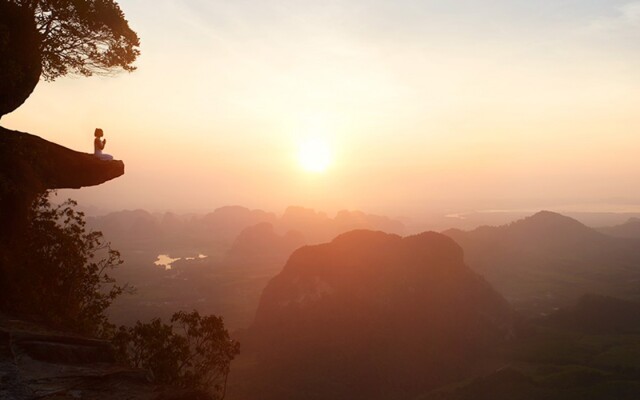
(314, 155)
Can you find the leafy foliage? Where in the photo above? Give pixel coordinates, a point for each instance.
(193, 351)
(84, 37)
(64, 277)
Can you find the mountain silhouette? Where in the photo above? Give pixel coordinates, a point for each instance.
(549, 260)
(134, 229)
(317, 227)
(630, 229)
(377, 313)
(227, 222)
(261, 244)
(542, 231)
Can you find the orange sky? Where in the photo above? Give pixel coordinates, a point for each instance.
(457, 106)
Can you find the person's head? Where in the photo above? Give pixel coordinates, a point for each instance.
(98, 132)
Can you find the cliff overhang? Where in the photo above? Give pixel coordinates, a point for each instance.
(30, 165)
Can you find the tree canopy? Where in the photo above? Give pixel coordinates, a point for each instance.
(64, 277)
(193, 351)
(83, 37)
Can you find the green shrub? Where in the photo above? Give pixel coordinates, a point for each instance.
(192, 351)
(63, 278)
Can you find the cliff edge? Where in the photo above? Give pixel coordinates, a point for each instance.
(29, 165)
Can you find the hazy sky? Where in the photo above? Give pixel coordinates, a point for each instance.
(463, 104)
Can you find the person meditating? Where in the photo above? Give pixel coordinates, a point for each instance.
(98, 146)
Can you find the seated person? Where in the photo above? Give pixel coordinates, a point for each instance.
(98, 146)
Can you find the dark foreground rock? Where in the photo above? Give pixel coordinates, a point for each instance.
(20, 56)
(36, 363)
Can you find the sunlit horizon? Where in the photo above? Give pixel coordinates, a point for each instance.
(507, 105)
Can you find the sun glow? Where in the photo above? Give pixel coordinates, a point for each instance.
(314, 155)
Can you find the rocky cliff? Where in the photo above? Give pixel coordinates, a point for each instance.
(38, 363)
(30, 165)
(20, 64)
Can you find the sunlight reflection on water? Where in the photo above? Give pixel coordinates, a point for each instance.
(164, 260)
(199, 257)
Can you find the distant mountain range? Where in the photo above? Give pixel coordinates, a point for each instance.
(140, 228)
(549, 260)
(630, 229)
(260, 244)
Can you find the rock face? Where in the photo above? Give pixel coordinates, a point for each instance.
(371, 313)
(20, 64)
(36, 164)
(30, 165)
(37, 363)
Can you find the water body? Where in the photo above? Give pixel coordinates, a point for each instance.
(164, 260)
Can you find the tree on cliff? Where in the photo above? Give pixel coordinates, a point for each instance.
(64, 277)
(54, 38)
(197, 355)
(82, 36)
